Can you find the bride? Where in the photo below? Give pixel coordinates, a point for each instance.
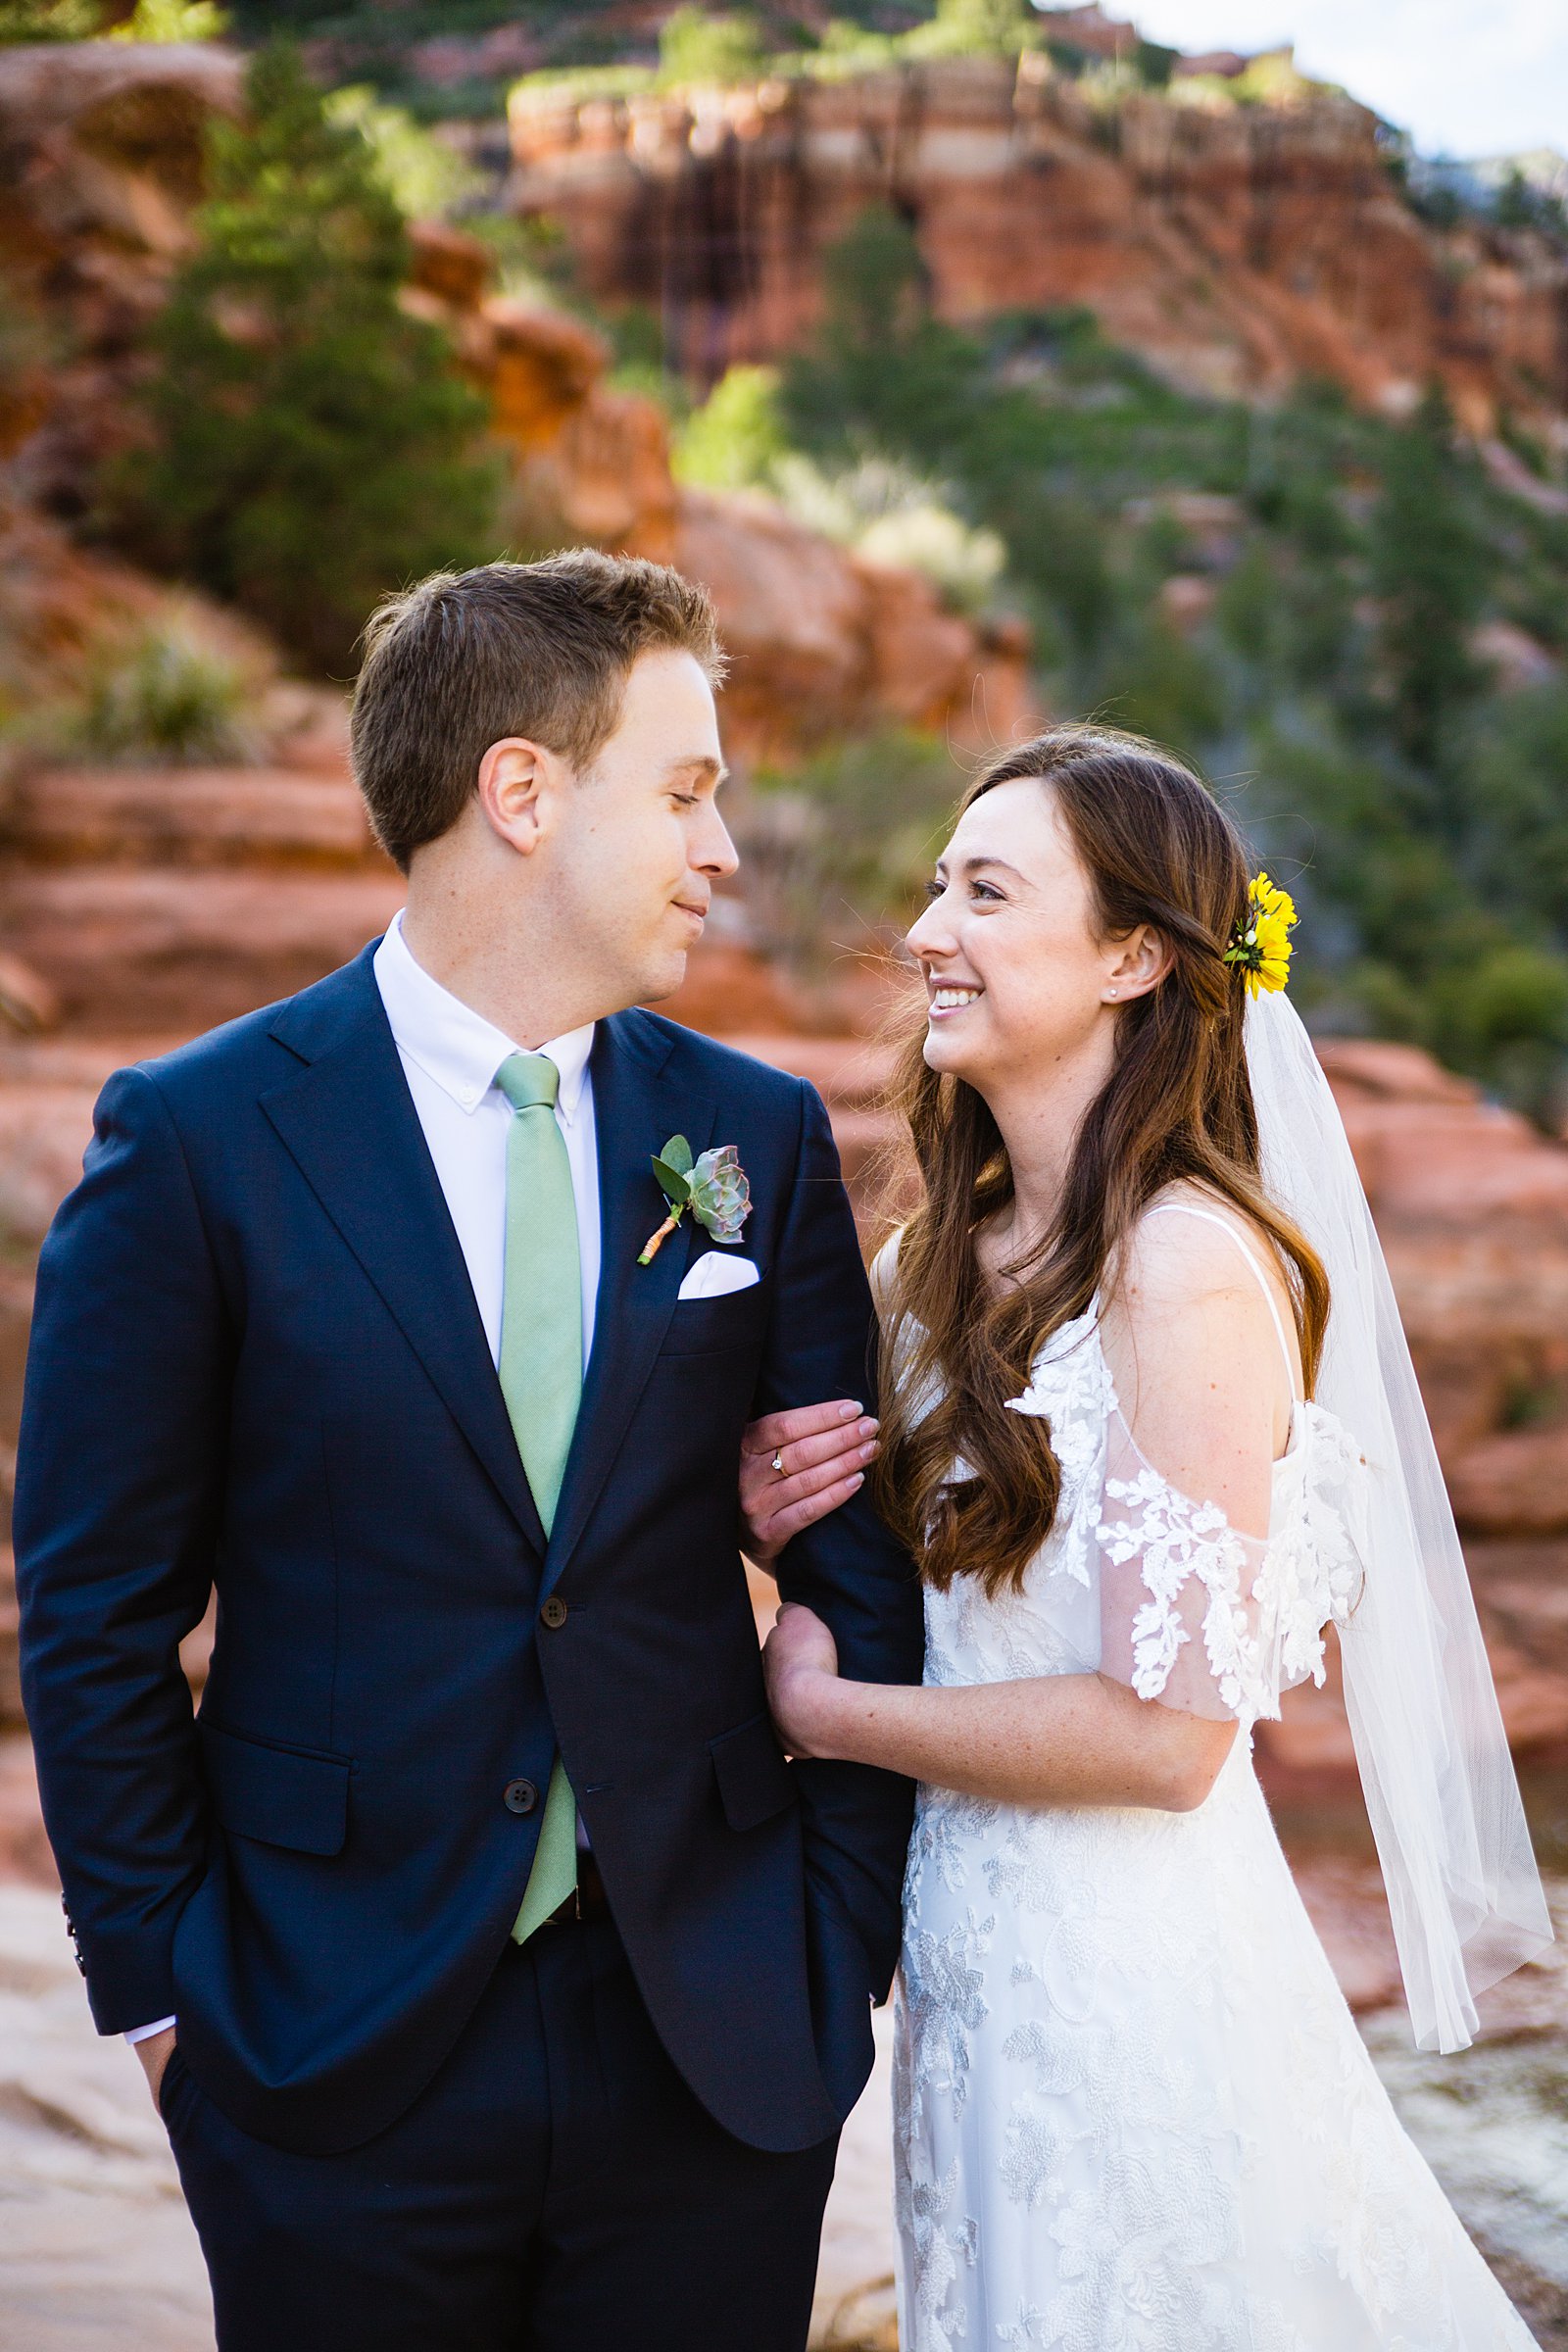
(1149, 1425)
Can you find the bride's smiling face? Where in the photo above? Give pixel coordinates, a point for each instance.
(1017, 979)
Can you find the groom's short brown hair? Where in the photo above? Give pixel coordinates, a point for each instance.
(538, 650)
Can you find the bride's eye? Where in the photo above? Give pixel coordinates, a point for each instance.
(985, 890)
(932, 890)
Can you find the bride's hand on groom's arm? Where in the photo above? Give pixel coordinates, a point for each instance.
(801, 1662)
(825, 1450)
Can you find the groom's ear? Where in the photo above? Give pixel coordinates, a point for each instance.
(515, 782)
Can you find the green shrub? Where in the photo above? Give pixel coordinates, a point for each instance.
(310, 446)
(166, 694)
(173, 21)
(838, 848)
(696, 45)
(892, 515)
(735, 439)
(976, 29)
(1504, 1016)
(424, 177)
(24, 21)
(926, 536)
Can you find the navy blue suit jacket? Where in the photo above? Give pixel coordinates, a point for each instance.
(257, 1364)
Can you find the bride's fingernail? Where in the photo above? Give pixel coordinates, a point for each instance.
(855, 1481)
(849, 1410)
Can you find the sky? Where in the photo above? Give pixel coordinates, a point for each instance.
(1465, 77)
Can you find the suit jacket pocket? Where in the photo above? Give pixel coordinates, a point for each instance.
(754, 1779)
(706, 1326)
(291, 1797)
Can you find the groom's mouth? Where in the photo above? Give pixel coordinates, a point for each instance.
(698, 913)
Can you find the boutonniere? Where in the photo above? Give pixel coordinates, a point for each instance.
(713, 1186)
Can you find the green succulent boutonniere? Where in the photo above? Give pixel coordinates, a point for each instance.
(713, 1186)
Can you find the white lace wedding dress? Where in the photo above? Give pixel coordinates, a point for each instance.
(1132, 2111)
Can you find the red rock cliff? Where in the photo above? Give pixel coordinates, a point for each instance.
(1236, 246)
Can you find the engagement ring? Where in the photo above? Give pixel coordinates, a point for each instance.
(778, 1461)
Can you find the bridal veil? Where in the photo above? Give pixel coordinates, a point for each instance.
(1462, 1885)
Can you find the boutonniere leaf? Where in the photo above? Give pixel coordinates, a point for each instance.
(713, 1187)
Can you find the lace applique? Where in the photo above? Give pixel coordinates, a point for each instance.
(1069, 1389)
(1265, 1604)
(1177, 1541)
(945, 2002)
(946, 1826)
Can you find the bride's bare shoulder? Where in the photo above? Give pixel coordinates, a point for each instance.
(1196, 1276)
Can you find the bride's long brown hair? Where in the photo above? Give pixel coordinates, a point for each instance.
(1176, 1108)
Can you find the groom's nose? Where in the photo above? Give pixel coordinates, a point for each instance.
(713, 851)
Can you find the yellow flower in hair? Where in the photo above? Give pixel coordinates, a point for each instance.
(1262, 945)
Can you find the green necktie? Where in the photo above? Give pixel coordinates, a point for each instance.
(541, 1380)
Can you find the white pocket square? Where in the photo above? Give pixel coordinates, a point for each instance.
(715, 1274)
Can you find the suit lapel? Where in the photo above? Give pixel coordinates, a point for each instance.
(636, 1109)
(348, 1121)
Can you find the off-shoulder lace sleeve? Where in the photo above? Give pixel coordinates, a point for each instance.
(1205, 1618)
(1194, 1611)
(1182, 1593)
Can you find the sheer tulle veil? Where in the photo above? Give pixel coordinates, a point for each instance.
(1462, 1885)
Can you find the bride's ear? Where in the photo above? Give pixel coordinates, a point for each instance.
(1138, 963)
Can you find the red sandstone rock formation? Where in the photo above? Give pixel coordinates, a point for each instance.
(822, 642)
(101, 159)
(1236, 247)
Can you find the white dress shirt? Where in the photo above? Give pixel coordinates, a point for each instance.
(450, 1055)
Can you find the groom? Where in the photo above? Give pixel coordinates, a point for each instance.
(498, 1982)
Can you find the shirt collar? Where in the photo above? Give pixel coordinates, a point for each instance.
(457, 1046)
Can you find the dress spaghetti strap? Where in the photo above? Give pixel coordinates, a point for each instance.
(1207, 1216)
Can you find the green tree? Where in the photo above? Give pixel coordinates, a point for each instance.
(695, 46)
(49, 20)
(977, 28)
(310, 446)
(1517, 838)
(1430, 567)
(173, 21)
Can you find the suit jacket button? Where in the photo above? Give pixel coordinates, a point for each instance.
(554, 1611)
(520, 1796)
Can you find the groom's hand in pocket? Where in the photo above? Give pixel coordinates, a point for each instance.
(797, 1466)
(154, 2054)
